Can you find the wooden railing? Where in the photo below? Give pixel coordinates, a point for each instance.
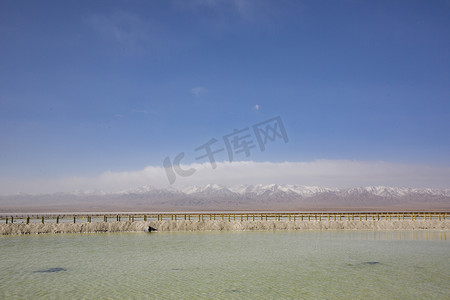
(224, 216)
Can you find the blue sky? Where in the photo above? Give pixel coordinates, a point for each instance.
(88, 87)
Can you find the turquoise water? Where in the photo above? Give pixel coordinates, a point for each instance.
(227, 265)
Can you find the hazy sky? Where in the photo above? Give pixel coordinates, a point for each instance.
(89, 88)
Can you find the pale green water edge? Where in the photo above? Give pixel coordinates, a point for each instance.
(227, 265)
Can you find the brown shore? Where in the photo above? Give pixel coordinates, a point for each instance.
(219, 225)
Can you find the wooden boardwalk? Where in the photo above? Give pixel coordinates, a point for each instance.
(224, 216)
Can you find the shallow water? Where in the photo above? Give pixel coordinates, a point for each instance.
(227, 265)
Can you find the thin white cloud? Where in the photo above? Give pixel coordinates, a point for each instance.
(124, 28)
(256, 107)
(249, 10)
(199, 91)
(325, 173)
(133, 111)
(140, 111)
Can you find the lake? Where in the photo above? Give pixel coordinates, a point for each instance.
(227, 265)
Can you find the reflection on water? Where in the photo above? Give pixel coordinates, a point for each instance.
(227, 265)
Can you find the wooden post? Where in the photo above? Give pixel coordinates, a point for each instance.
(12, 219)
(366, 217)
(253, 217)
(335, 217)
(266, 217)
(74, 219)
(132, 219)
(289, 217)
(145, 217)
(175, 217)
(42, 219)
(57, 219)
(199, 218)
(28, 219)
(294, 217)
(189, 217)
(320, 217)
(229, 217)
(6, 220)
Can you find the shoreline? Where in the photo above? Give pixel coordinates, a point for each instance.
(219, 225)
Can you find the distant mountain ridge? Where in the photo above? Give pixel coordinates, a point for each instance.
(239, 197)
(301, 190)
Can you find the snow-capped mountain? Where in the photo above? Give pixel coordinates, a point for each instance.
(299, 190)
(240, 197)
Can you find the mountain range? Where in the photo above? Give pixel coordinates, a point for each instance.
(276, 197)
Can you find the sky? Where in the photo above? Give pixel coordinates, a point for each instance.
(98, 94)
